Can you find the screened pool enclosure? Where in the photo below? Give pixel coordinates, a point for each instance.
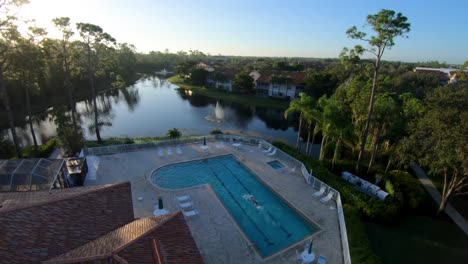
(32, 174)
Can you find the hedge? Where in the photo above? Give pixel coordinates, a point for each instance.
(43, 151)
(408, 191)
(371, 208)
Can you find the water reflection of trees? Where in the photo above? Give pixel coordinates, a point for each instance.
(273, 118)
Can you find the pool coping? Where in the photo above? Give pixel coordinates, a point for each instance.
(249, 242)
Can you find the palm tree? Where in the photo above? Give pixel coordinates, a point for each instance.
(299, 105)
(174, 133)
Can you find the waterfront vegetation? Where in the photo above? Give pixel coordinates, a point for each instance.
(245, 99)
(405, 222)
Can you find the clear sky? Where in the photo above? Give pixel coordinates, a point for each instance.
(309, 28)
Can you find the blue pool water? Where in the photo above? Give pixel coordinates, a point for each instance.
(276, 164)
(264, 217)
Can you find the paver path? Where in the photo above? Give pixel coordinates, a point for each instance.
(432, 190)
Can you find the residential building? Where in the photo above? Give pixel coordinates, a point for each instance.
(222, 79)
(280, 84)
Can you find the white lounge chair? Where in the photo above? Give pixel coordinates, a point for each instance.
(272, 153)
(268, 150)
(190, 213)
(319, 192)
(185, 205)
(183, 198)
(178, 150)
(327, 198)
(322, 260)
(160, 153)
(169, 151)
(220, 144)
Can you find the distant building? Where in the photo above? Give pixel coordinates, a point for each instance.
(89, 225)
(446, 75)
(206, 67)
(280, 84)
(222, 79)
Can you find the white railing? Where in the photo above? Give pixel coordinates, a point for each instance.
(284, 157)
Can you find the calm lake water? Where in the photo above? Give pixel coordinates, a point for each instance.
(152, 106)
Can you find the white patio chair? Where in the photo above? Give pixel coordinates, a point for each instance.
(182, 198)
(160, 153)
(178, 150)
(185, 205)
(268, 150)
(327, 198)
(272, 153)
(322, 260)
(169, 151)
(319, 192)
(190, 213)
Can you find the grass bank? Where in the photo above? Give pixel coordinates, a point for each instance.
(246, 99)
(121, 141)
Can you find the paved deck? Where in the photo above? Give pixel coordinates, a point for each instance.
(217, 235)
(435, 194)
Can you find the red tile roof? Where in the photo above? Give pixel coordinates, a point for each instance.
(36, 226)
(93, 224)
(164, 239)
(297, 77)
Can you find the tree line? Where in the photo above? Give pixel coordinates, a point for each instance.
(384, 116)
(36, 69)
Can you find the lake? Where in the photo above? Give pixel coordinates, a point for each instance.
(152, 106)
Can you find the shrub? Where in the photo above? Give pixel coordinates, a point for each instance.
(359, 244)
(371, 208)
(72, 140)
(216, 132)
(408, 190)
(7, 150)
(43, 151)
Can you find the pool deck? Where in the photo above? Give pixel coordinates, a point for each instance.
(217, 235)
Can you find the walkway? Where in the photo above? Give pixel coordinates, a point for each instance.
(432, 190)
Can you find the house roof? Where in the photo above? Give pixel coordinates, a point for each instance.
(161, 235)
(10, 201)
(297, 77)
(38, 225)
(86, 224)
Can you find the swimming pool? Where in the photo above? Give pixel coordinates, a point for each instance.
(276, 164)
(269, 223)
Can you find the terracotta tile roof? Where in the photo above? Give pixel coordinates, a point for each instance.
(297, 77)
(166, 237)
(16, 200)
(36, 226)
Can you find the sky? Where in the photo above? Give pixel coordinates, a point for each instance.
(289, 28)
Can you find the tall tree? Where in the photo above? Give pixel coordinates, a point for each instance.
(28, 65)
(386, 25)
(93, 36)
(438, 140)
(244, 82)
(9, 37)
(63, 25)
(299, 105)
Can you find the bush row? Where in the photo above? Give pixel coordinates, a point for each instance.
(371, 208)
(43, 151)
(408, 191)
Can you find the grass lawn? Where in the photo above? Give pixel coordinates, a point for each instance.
(122, 140)
(246, 99)
(419, 239)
